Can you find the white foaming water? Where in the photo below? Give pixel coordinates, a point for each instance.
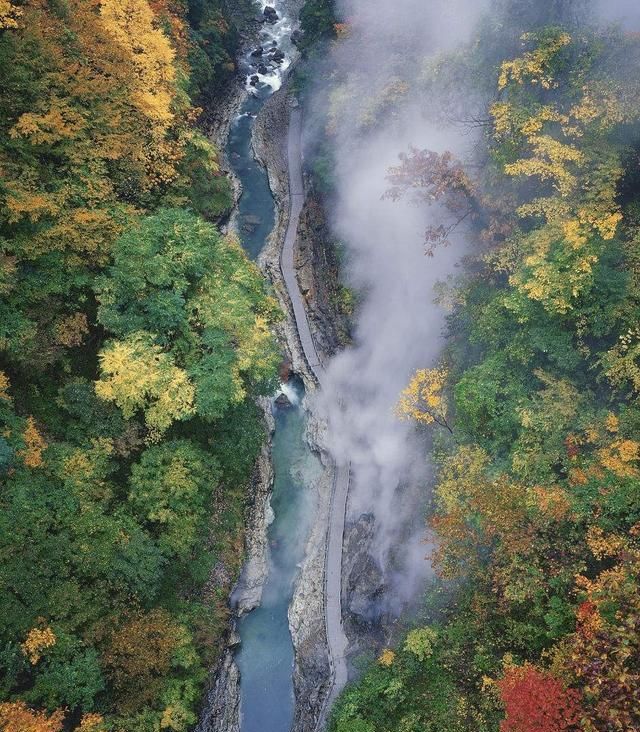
(291, 393)
(269, 515)
(272, 35)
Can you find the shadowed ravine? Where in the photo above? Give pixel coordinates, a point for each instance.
(265, 656)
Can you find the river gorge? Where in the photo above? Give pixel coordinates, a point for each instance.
(319, 366)
(324, 578)
(267, 661)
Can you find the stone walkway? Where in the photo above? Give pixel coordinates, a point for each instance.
(336, 639)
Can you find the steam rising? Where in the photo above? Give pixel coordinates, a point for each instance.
(399, 326)
(624, 12)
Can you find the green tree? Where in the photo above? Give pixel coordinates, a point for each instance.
(171, 488)
(68, 676)
(206, 313)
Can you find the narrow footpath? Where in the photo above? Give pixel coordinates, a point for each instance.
(336, 639)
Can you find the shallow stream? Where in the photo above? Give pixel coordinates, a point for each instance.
(266, 656)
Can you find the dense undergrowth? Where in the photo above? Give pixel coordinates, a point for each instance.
(133, 340)
(536, 510)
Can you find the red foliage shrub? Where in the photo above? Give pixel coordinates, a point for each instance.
(535, 701)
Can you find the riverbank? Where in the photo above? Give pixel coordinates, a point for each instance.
(307, 610)
(305, 298)
(306, 617)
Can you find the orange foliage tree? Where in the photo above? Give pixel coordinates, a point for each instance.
(17, 717)
(139, 655)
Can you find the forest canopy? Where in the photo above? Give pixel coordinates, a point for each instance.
(134, 338)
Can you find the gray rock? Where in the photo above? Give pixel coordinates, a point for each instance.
(363, 587)
(221, 711)
(282, 401)
(270, 14)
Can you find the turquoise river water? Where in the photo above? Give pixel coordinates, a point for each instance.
(265, 656)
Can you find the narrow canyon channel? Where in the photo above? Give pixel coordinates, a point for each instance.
(265, 655)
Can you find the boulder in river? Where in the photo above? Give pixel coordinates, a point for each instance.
(270, 14)
(278, 55)
(249, 223)
(256, 53)
(282, 401)
(262, 69)
(254, 80)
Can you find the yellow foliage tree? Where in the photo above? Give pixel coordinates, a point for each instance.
(562, 145)
(423, 399)
(132, 25)
(91, 723)
(37, 641)
(137, 374)
(4, 386)
(533, 66)
(9, 14)
(387, 657)
(621, 457)
(34, 445)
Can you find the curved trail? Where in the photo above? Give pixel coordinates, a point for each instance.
(336, 639)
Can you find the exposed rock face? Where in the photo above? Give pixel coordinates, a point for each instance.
(221, 109)
(318, 276)
(282, 401)
(221, 711)
(270, 14)
(248, 591)
(362, 587)
(306, 612)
